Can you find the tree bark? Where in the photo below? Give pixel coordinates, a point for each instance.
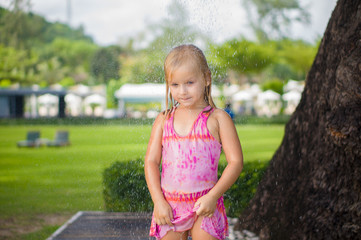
(312, 187)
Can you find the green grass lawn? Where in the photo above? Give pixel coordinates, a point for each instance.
(45, 181)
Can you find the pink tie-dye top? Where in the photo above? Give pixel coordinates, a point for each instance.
(189, 163)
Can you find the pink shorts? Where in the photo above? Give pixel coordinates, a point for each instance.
(184, 216)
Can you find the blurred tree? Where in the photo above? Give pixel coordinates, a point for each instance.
(311, 189)
(50, 72)
(293, 59)
(61, 30)
(112, 86)
(242, 56)
(270, 19)
(298, 55)
(105, 64)
(72, 53)
(67, 82)
(20, 28)
(34, 50)
(18, 66)
(280, 70)
(14, 27)
(275, 85)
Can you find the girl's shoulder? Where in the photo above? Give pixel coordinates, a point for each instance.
(159, 120)
(216, 119)
(220, 115)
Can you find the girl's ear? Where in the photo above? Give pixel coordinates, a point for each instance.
(208, 78)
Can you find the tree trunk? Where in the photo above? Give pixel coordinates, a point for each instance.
(312, 187)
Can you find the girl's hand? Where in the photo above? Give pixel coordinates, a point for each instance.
(206, 205)
(163, 213)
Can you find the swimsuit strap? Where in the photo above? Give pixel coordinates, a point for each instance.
(207, 111)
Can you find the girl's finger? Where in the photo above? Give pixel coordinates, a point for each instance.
(163, 222)
(169, 222)
(170, 218)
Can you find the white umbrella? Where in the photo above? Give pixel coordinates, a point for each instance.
(269, 95)
(95, 99)
(141, 91)
(255, 89)
(242, 96)
(48, 99)
(292, 96)
(230, 90)
(72, 99)
(293, 85)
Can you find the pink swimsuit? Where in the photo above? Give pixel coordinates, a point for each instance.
(189, 171)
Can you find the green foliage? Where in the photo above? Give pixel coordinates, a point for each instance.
(293, 59)
(275, 85)
(237, 198)
(17, 65)
(67, 82)
(281, 71)
(23, 29)
(141, 68)
(243, 56)
(72, 53)
(105, 63)
(4, 83)
(112, 86)
(125, 188)
(298, 55)
(34, 51)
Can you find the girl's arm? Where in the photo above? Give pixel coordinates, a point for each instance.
(162, 211)
(233, 151)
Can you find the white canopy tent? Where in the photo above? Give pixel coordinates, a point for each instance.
(230, 90)
(243, 95)
(73, 104)
(95, 104)
(137, 93)
(48, 105)
(293, 85)
(292, 96)
(292, 99)
(268, 103)
(95, 99)
(243, 101)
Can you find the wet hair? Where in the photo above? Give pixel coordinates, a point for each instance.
(177, 57)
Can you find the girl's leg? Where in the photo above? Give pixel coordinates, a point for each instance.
(198, 233)
(176, 236)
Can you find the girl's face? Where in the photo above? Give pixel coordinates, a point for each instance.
(187, 85)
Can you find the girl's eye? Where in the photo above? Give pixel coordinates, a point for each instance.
(190, 82)
(174, 84)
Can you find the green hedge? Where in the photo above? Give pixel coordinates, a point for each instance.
(279, 119)
(125, 188)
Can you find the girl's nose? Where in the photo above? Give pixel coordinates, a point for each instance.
(183, 89)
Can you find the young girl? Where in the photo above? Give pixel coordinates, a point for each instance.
(187, 139)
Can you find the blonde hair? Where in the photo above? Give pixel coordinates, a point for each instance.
(178, 56)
